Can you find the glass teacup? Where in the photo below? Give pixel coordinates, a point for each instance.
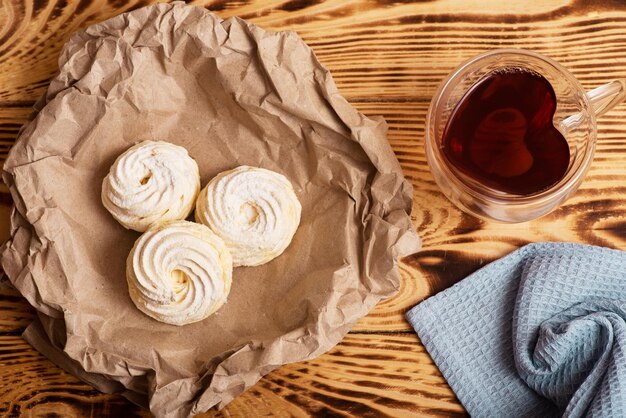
(575, 118)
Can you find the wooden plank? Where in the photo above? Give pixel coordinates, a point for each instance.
(387, 57)
(406, 132)
(374, 49)
(15, 312)
(365, 375)
(11, 120)
(594, 215)
(33, 386)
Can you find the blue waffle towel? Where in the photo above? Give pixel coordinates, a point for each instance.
(538, 333)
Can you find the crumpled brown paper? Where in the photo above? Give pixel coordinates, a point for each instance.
(232, 94)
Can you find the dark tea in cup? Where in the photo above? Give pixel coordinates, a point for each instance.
(491, 138)
(501, 133)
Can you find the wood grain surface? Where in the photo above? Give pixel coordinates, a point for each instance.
(387, 58)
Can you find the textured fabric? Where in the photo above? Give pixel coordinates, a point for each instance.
(538, 333)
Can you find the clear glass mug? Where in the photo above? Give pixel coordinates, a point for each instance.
(575, 117)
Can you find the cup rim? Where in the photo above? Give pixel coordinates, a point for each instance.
(566, 185)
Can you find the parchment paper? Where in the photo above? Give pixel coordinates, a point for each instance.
(232, 94)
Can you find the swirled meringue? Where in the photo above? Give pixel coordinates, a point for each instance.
(179, 272)
(153, 181)
(255, 211)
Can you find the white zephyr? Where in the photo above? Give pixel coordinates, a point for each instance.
(255, 211)
(152, 181)
(179, 272)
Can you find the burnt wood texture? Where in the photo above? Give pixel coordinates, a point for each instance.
(387, 57)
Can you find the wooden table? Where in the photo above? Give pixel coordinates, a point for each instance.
(387, 58)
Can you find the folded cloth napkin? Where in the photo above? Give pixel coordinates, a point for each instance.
(538, 333)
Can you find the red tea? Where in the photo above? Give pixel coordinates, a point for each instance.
(501, 133)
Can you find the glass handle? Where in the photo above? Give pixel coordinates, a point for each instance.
(603, 99)
(606, 97)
